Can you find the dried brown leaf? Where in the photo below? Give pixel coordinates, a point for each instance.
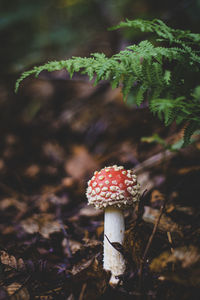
(166, 224)
(49, 200)
(157, 198)
(92, 278)
(8, 202)
(54, 151)
(13, 287)
(81, 163)
(45, 224)
(74, 245)
(182, 266)
(32, 171)
(90, 211)
(8, 260)
(11, 261)
(147, 181)
(17, 292)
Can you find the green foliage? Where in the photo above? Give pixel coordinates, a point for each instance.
(180, 110)
(155, 138)
(164, 72)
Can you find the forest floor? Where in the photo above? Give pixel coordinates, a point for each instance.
(54, 135)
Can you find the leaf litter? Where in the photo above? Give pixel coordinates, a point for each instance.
(51, 241)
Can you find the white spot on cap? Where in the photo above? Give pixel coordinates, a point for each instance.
(113, 188)
(101, 177)
(103, 194)
(132, 190)
(113, 196)
(129, 189)
(97, 190)
(89, 190)
(93, 193)
(114, 182)
(107, 182)
(110, 175)
(94, 184)
(108, 195)
(95, 173)
(128, 182)
(105, 188)
(100, 184)
(107, 170)
(124, 172)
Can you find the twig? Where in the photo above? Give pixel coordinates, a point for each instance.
(153, 161)
(21, 287)
(58, 213)
(170, 241)
(81, 296)
(149, 244)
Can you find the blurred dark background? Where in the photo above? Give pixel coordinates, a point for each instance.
(33, 32)
(42, 125)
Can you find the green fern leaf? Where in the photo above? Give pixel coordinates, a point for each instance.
(140, 95)
(188, 132)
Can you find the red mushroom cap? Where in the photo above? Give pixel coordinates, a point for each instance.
(113, 186)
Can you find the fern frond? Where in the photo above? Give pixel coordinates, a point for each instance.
(166, 109)
(188, 132)
(165, 76)
(160, 28)
(140, 94)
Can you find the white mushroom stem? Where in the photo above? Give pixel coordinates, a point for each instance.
(114, 230)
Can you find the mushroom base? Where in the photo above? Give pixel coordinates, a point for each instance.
(114, 229)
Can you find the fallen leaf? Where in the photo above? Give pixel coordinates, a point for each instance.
(11, 261)
(90, 211)
(8, 202)
(32, 171)
(90, 275)
(182, 266)
(45, 224)
(17, 292)
(166, 224)
(156, 199)
(54, 151)
(49, 200)
(147, 181)
(74, 245)
(81, 163)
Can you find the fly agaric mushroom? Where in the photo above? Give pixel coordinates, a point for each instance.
(113, 189)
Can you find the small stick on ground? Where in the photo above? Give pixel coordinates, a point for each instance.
(149, 244)
(58, 214)
(170, 241)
